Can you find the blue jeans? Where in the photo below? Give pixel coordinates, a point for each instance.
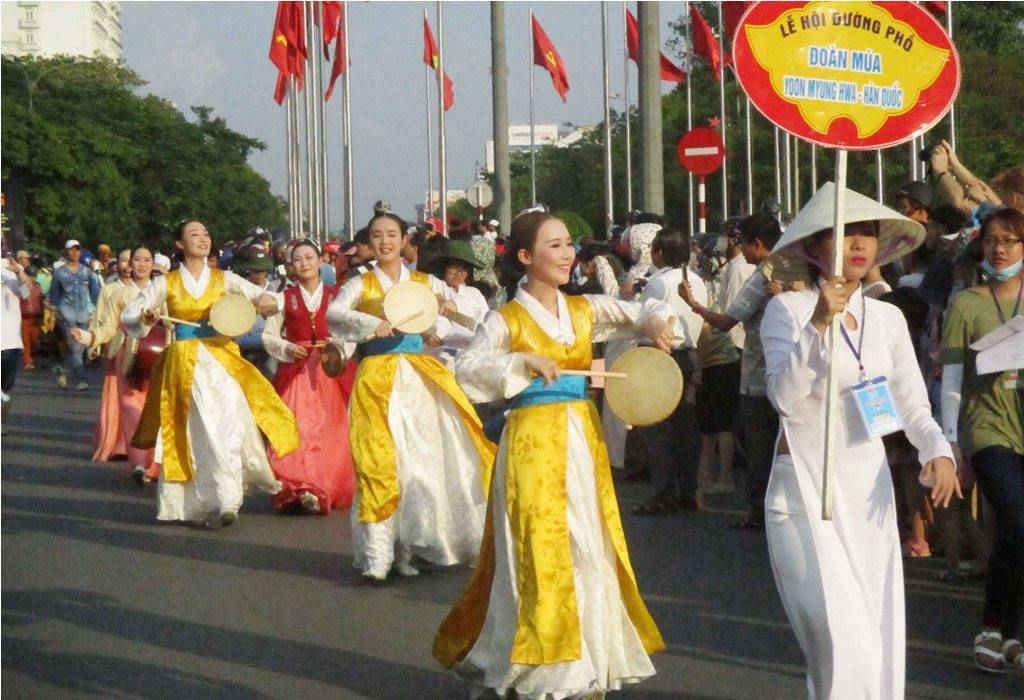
(74, 365)
(1000, 473)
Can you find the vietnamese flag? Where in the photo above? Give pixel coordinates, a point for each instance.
(670, 72)
(287, 45)
(545, 54)
(703, 41)
(340, 63)
(430, 57)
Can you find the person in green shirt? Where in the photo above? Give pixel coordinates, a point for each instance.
(984, 416)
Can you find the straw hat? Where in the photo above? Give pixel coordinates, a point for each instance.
(897, 235)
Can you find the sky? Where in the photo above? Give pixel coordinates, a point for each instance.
(215, 54)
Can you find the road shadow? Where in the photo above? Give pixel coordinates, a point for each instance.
(85, 521)
(108, 677)
(350, 670)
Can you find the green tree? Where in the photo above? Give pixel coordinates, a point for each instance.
(98, 162)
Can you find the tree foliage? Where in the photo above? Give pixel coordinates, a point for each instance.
(990, 132)
(98, 162)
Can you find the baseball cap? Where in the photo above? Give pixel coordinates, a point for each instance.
(71, 243)
(161, 260)
(494, 222)
(919, 191)
(381, 205)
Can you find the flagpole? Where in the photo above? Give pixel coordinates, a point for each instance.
(721, 108)
(428, 208)
(313, 42)
(290, 155)
(321, 151)
(533, 154)
(778, 171)
(300, 205)
(443, 180)
(625, 97)
(689, 116)
(750, 162)
(609, 213)
(350, 209)
(311, 198)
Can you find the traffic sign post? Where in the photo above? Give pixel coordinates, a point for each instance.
(701, 151)
(480, 195)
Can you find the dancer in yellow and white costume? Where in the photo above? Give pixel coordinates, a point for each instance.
(206, 404)
(553, 609)
(422, 461)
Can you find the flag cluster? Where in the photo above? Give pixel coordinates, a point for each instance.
(670, 72)
(288, 50)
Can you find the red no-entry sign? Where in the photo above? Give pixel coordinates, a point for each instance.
(701, 151)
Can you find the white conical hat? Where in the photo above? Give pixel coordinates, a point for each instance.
(897, 235)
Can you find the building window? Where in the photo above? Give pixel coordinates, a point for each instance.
(30, 14)
(30, 38)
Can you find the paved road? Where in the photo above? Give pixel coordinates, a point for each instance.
(99, 600)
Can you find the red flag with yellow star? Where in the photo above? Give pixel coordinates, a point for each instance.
(546, 55)
(287, 45)
(670, 72)
(430, 57)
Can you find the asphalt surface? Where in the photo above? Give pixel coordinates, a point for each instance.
(101, 601)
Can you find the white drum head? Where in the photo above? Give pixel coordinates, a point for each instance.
(651, 389)
(232, 315)
(410, 307)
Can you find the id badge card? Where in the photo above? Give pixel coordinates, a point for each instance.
(876, 407)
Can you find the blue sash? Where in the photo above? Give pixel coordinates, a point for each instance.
(565, 388)
(186, 332)
(393, 344)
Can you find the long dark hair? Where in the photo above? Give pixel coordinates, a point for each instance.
(523, 236)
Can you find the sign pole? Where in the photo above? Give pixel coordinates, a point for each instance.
(702, 206)
(832, 386)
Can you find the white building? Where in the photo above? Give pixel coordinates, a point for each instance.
(54, 28)
(557, 135)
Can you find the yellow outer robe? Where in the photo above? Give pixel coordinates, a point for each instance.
(373, 448)
(170, 393)
(536, 439)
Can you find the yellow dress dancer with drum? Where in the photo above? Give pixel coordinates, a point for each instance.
(553, 609)
(207, 405)
(422, 461)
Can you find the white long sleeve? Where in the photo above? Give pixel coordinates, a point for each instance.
(487, 370)
(342, 318)
(273, 341)
(152, 297)
(950, 400)
(616, 319)
(796, 358)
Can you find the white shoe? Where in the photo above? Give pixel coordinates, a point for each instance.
(228, 517)
(375, 575)
(4, 396)
(62, 381)
(139, 474)
(406, 569)
(310, 503)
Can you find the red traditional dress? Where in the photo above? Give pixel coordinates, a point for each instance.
(322, 466)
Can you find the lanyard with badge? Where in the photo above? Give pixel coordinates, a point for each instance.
(874, 400)
(1011, 382)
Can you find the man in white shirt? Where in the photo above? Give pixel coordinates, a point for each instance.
(672, 447)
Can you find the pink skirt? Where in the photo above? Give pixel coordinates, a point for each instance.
(120, 411)
(323, 463)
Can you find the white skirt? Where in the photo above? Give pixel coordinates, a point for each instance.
(612, 653)
(228, 453)
(441, 505)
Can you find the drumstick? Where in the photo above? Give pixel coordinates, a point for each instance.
(593, 373)
(178, 320)
(405, 319)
